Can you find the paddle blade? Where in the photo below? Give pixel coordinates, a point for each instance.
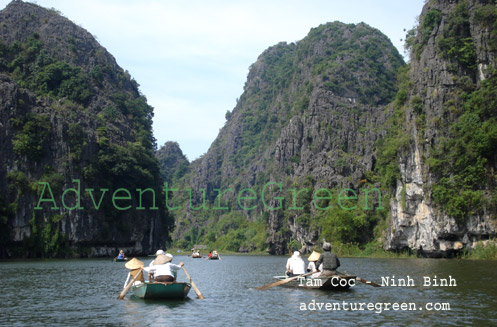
(281, 282)
(367, 282)
(363, 280)
(199, 295)
(268, 286)
(123, 293)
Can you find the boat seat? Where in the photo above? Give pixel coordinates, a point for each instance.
(164, 283)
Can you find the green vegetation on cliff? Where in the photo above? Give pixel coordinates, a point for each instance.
(443, 135)
(32, 68)
(463, 161)
(70, 112)
(341, 73)
(305, 121)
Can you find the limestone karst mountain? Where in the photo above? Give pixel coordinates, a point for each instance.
(69, 116)
(334, 111)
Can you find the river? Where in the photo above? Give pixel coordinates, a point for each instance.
(82, 292)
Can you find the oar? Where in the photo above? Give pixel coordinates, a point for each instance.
(123, 293)
(363, 280)
(284, 281)
(367, 282)
(193, 284)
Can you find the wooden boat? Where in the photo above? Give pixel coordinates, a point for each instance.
(164, 291)
(213, 257)
(121, 260)
(196, 255)
(327, 283)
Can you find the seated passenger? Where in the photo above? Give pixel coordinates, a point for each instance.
(312, 264)
(164, 271)
(329, 260)
(295, 265)
(120, 256)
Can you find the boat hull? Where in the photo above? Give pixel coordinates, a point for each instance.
(328, 283)
(165, 291)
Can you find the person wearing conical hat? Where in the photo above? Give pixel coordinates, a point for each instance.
(134, 266)
(329, 260)
(312, 264)
(159, 252)
(163, 269)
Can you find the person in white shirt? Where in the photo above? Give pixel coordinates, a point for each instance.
(295, 265)
(164, 271)
(159, 252)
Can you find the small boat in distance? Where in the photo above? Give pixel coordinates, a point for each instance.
(326, 283)
(120, 257)
(213, 256)
(196, 254)
(164, 291)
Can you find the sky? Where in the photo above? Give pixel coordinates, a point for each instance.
(191, 58)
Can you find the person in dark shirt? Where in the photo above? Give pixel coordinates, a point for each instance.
(329, 260)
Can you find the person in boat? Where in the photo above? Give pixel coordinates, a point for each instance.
(295, 265)
(311, 267)
(329, 261)
(120, 256)
(164, 271)
(159, 252)
(134, 266)
(209, 255)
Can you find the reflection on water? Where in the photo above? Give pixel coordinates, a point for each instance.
(168, 303)
(83, 293)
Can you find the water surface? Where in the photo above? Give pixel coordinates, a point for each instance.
(83, 293)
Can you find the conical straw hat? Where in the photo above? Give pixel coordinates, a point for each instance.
(314, 256)
(134, 264)
(162, 259)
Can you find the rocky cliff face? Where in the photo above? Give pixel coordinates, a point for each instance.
(173, 163)
(327, 112)
(443, 198)
(309, 117)
(69, 113)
